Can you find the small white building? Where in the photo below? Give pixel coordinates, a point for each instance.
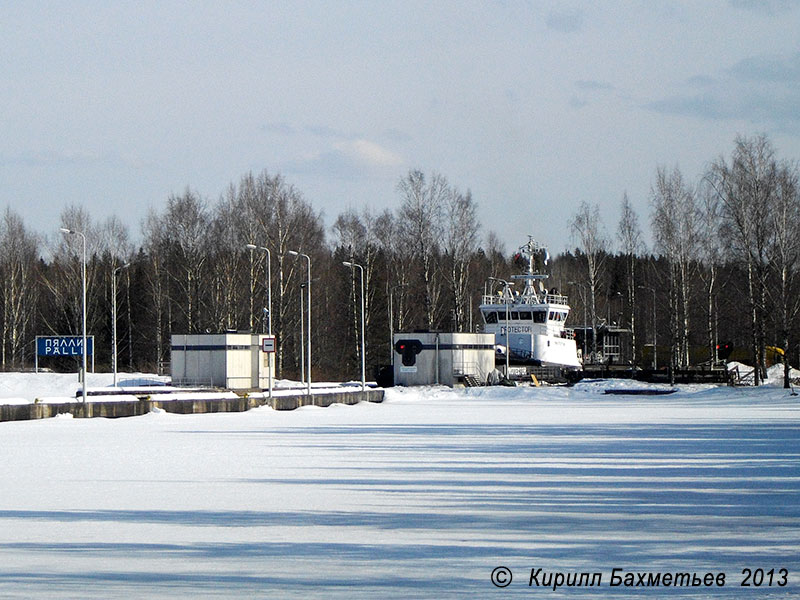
(442, 358)
(225, 360)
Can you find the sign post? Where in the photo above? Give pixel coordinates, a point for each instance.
(268, 347)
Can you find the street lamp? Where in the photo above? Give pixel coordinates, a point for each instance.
(114, 318)
(302, 291)
(83, 283)
(269, 284)
(308, 308)
(655, 343)
(506, 299)
(352, 265)
(269, 308)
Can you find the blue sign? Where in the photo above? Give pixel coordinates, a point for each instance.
(64, 345)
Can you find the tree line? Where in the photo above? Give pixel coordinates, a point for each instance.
(723, 267)
(724, 264)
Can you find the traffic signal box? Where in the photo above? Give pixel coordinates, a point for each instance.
(408, 349)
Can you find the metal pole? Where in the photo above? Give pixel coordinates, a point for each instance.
(508, 345)
(83, 284)
(114, 319)
(655, 333)
(269, 306)
(308, 308)
(308, 358)
(506, 292)
(85, 346)
(302, 338)
(391, 327)
(363, 344)
(114, 324)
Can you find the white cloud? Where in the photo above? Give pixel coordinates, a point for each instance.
(369, 153)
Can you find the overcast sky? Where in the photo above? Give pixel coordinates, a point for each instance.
(533, 106)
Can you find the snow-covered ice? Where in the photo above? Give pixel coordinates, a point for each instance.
(419, 497)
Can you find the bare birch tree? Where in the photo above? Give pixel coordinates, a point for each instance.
(460, 242)
(675, 230)
(631, 245)
(18, 263)
(420, 220)
(785, 256)
(711, 252)
(225, 262)
(154, 247)
(748, 188)
(186, 228)
(587, 232)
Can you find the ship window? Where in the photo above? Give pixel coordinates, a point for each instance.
(491, 317)
(539, 316)
(514, 315)
(556, 316)
(525, 315)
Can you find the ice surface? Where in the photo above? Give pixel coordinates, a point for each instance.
(419, 497)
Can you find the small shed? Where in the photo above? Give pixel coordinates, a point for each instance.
(442, 358)
(227, 360)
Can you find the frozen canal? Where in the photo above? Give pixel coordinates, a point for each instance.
(420, 497)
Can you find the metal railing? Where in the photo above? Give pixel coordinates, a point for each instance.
(462, 369)
(544, 299)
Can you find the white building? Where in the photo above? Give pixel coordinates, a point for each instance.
(442, 358)
(225, 360)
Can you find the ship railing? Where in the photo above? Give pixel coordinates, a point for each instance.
(544, 299)
(497, 300)
(556, 299)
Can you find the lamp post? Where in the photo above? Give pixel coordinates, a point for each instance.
(655, 343)
(302, 336)
(83, 284)
(308, 308)
(269, 284)
(114, 318)
(506, 292)
(352, 265)
(269, 308)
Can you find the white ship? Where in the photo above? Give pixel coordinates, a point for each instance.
(529, 322)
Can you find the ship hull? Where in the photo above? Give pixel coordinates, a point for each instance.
(539, 349)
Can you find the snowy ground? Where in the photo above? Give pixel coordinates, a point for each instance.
(422, 496)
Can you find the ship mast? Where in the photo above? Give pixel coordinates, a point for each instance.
(530, 295)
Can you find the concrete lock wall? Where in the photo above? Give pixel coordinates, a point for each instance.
(443, 358)
(227, 360)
